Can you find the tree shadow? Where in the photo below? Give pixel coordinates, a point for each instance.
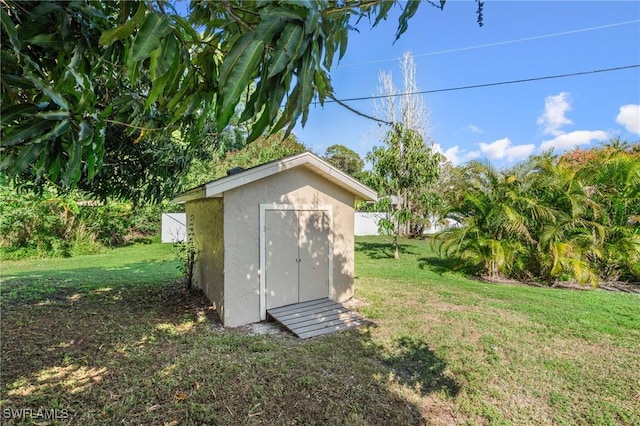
(417, 366)
(381, 250)
(442, 265)
(80, 342)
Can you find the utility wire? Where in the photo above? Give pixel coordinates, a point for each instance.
(499, 43)
(475, 86)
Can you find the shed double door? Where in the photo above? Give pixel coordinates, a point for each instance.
(297, 256)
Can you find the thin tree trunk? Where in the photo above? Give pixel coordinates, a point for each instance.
(396, 252)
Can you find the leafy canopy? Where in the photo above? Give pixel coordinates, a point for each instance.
(72, 70)
(345, 159)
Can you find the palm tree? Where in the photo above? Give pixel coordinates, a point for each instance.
(618, 183)
(495, 216)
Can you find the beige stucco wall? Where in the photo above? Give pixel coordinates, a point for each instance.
(205, 216)
(242, 236)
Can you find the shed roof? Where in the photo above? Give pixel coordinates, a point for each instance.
(216, 188)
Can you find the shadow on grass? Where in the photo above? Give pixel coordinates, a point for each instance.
(381, 250)
(416, 365)
(112, 351)
(441, 265)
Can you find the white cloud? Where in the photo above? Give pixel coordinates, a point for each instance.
(455, 154)
(452, 155)
(474, 129)
(553, 117)
(519, 152)
(471, 155)
(573, 139)
(502, 148)
(495, 150)
(629, 117)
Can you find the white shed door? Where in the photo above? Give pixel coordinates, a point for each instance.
(313, 252)
(297, 256)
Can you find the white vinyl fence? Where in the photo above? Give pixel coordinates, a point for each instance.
(174, 226)
(367, 224)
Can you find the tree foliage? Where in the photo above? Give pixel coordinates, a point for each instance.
(263, 150)
(402, 168)
(46, 223)
(344, 159)
(71, 71)
(551, 218)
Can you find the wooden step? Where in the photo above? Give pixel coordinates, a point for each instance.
(315, 317)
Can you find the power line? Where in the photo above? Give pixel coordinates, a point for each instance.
(499, 43)
(475, 86)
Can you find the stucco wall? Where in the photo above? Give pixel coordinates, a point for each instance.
(208, 242)
(242, 236)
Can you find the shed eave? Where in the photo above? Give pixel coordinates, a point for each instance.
(191, 195)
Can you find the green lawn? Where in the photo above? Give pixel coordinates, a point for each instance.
(112, 339)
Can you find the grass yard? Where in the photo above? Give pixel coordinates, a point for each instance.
(112, 339)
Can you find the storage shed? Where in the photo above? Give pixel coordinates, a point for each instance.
(274, 235)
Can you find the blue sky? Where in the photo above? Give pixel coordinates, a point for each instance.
(502, 123)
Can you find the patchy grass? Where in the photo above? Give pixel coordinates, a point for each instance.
(111, 338)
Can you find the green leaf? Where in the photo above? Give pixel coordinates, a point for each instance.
(47, 90)
(162, 59)
(188, 105)
(27, 155)
(44, 40)
(286, 48)
(385, 6)
(289, 109)
(187, 27)
(138, 18)
(270, 26)
(311, 23)
(321, 86)
(287, 14)
(10, 30)
(259, 126)
(235, 74)
(53, 115)
(25, 131)
(118, 33)
(85, 136)
(54, 169)
(305, 80)
(275, 101)
(344, 39)
(17, 111)
(58, 130)
(72, 174)
(149, 37)
(240, 44)
(156, 91)
(410, 8)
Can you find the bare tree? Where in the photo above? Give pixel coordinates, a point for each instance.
(402, 105)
